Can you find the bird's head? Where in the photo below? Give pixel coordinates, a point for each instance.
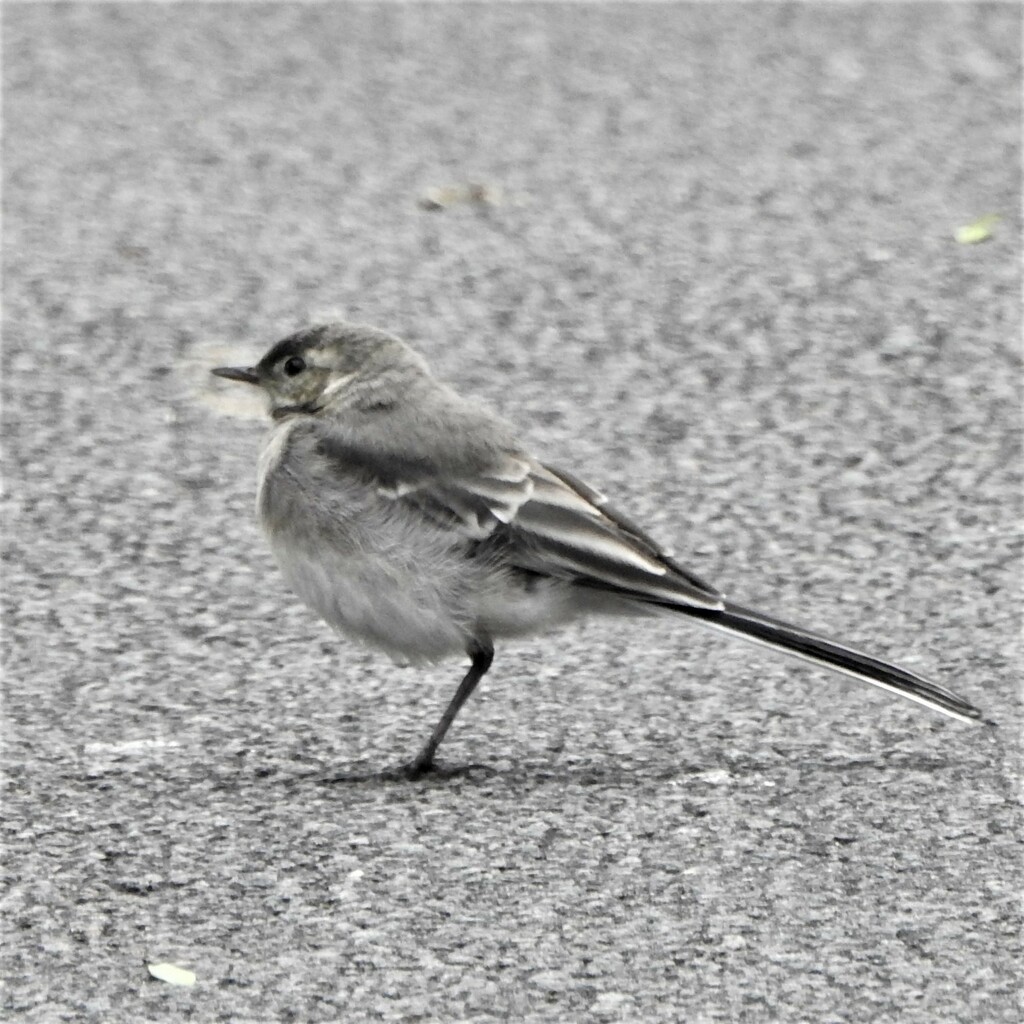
(311, 369)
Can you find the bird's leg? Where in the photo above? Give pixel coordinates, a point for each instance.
(482, 655)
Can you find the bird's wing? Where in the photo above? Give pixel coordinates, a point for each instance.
(627, 531)
(548, 522)
(569, 528)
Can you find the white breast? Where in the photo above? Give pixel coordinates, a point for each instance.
(404, 610)
(370, 568)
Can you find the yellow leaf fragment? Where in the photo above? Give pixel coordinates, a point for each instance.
(172, 974)
(977, 231)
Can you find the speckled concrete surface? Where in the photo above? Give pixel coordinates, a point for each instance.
(721, 283)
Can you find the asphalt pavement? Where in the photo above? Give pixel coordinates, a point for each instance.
(705, 256)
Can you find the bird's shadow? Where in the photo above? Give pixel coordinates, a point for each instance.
(479, 774)
(610, 772)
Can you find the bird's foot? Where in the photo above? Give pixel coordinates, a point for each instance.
(420, 769)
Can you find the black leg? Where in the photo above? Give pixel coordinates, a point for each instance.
(482, 657)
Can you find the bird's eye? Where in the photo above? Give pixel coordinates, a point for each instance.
(294, 366)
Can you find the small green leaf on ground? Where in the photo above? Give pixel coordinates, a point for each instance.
(977, 231)
(172, 974)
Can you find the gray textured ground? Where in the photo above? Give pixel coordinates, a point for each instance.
(722, 285)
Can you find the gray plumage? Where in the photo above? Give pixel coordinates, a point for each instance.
(414, 520)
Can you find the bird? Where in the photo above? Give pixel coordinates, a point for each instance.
(415, 521)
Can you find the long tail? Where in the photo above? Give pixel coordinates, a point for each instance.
(761, 629)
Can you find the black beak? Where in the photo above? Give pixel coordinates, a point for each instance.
(247, 375)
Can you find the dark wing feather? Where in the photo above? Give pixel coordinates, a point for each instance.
(546, 522)
(543, 520)
(567, 528)
(630, 529)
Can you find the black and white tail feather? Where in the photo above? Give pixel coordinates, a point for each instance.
(781, 636)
